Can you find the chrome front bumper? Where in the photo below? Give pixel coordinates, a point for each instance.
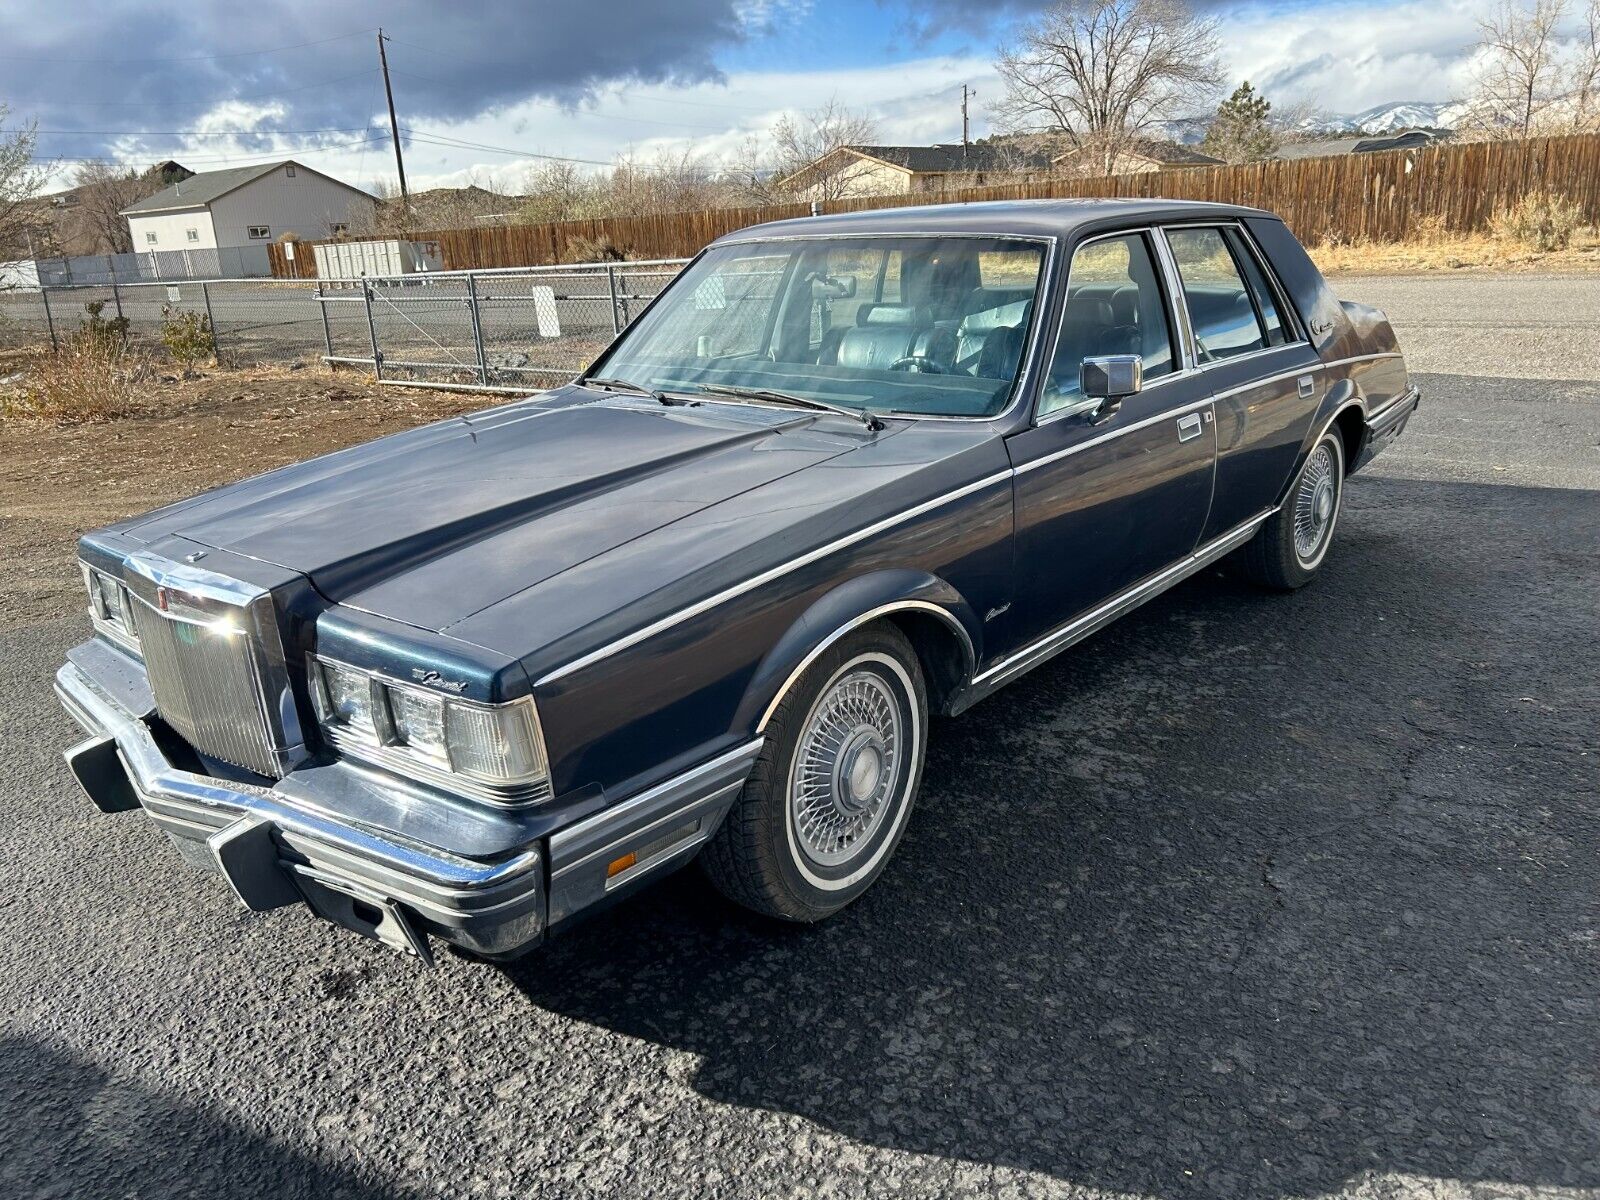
(276, 849)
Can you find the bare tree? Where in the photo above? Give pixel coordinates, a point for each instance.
(800, 140)
(1520, 76)
(1104, 74)
(757, 172)
(749, 172)
(95, 224)
(559, 191)
(21, 179)
(1585, 80)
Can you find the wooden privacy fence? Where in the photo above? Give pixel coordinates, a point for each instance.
(1352, 197)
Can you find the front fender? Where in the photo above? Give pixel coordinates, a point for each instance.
(846, 607)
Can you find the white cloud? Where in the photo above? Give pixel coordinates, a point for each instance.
(1356, 56)
(1344, 59)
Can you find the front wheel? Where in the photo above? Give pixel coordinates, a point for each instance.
(1286, 551)
(828, 798)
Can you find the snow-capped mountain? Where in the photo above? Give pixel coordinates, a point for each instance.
(1386, 118)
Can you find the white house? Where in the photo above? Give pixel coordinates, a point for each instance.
(246, 206)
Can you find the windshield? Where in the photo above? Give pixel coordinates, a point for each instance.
(921, 326)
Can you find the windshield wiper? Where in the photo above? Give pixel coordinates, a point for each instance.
(629, 388)
(771, 396)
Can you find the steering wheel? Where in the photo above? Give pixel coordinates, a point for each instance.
(919, 364)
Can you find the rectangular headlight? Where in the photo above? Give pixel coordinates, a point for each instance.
(347, 700)
(494, 752)
(110, 608)
(419, 723)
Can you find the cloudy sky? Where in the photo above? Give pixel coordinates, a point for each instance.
(483, 87)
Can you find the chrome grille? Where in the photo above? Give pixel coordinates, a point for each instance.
(207, 686)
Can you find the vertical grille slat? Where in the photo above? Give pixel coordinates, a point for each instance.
(206, 687)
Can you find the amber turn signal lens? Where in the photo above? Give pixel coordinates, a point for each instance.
(619, 865)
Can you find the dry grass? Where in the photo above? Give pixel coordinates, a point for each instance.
(1436, 249)
(1540, 221)
(58, 479)
(90, 379)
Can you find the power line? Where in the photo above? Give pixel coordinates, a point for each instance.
(667, 99)
(190, 132)
(563, 108)
(438, 139)
(240, 159)
(185, 100)
(185, 58)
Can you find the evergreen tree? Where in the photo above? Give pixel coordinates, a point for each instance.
(1239, 132)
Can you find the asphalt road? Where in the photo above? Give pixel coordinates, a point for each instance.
(1249, 896)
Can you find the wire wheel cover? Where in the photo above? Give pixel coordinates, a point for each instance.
(1316, 500)
(846, 767)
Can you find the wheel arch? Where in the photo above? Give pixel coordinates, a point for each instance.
(1343, 409)
(939, 623)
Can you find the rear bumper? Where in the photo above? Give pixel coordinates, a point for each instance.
(276, 849)
(1387, 424)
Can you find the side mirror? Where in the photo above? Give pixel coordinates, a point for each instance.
(1106, 381)
(1112, 376)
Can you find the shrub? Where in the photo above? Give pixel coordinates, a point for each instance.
(91, 378)
(100, 330)
(588, 250)
(1543, 221)
(187, 337)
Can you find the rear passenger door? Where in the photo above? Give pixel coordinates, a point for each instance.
(1263, 377)
(1102, 504)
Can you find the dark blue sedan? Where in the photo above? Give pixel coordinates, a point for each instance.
(469, 681)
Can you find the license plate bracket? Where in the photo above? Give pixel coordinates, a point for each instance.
(362, 911)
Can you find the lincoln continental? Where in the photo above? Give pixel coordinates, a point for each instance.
(468, 682)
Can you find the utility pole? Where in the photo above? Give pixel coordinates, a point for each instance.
(966, 139)
(394, 129)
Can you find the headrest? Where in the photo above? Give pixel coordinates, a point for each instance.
(1088, 310)
(1014, 313)
(887, 314)
(1125, 305)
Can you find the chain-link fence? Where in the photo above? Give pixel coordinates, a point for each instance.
(510, 330)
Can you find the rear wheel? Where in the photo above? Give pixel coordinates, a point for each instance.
(1288, 549)
(830, 794)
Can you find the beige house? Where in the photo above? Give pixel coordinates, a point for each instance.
(242, 206)
(899, 170)
(1139, 158)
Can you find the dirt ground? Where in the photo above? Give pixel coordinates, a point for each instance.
(57, 481)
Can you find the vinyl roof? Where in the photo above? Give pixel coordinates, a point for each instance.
(998, 218)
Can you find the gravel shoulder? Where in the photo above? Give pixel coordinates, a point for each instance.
(1494, 327)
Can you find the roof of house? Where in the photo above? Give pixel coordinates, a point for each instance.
(940, 158)
(953, 156)
(199, 190)
(1358, 145)
(1171, 153)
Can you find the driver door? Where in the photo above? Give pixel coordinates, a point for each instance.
(1105, 500)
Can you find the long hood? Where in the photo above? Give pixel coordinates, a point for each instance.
(430, 526)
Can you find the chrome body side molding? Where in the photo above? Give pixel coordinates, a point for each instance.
(755, 581)
(1076, 630)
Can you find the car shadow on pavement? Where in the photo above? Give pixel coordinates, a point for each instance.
(68, 1128)
(1250, 896)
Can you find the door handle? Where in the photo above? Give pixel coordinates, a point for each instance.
(1308, 386)
(1189, 427)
